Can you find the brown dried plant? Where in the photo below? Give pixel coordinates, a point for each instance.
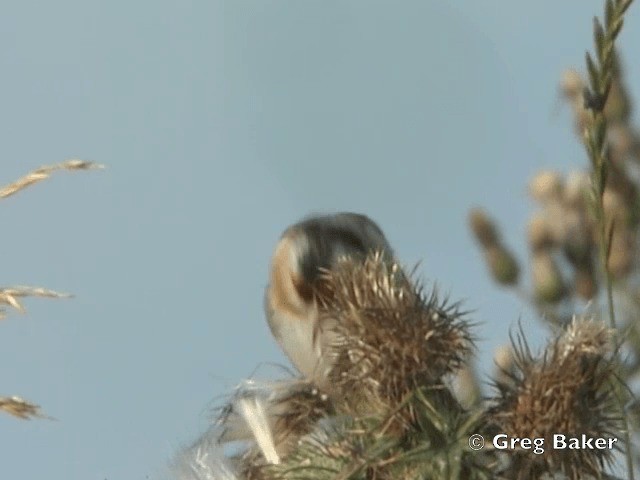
(583, 240)
(388, 411)
(566, 390)
(12, 296)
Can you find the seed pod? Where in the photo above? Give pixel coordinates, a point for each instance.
(616, 208)
(539, 233)
(584, 282)
(622, 253)
(616, 109)
(483, 228)
(578, 244)
(389, 336)
(503, 265)
(548, 285)
(575, 189)
(571, 84)
(504, 362)
(620, 139)
(582, 117)
(566, 389)
(545, 186)
(556, 212)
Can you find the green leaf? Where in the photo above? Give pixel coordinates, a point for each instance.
(611, 229)
(607, 88)
(600, 129)
(594, 74)
(602, 174)
(616, 28)
(607, 62)
(470, 425)
(608, 13)
(588, 142)
(598, 35)
(624, 5)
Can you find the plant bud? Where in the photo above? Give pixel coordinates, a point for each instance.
(556, 213)
(622, 253)
(571, 84)
(539, 233)
(584, 282)
(620, 139)
(545, 185)
(577, 245)
(615, 208)
(548, 285)
(504, 361)
(616, 109)
(483, 228)
(503, 358)
(576, 187)
(582, 117)
(502, 264)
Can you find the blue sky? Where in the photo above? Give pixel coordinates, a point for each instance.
(221, 123)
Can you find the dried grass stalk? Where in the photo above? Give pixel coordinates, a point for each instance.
(10, 295)
(19, 407)
(45, 172)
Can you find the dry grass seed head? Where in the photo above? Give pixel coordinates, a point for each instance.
(45, 172)
(19, 407)
(10, 296)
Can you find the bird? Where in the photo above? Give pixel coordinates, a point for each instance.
(305, 249)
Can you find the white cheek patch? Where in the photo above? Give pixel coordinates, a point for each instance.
(299, 340)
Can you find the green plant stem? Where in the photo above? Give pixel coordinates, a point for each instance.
(604, 254)
(600, 79)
